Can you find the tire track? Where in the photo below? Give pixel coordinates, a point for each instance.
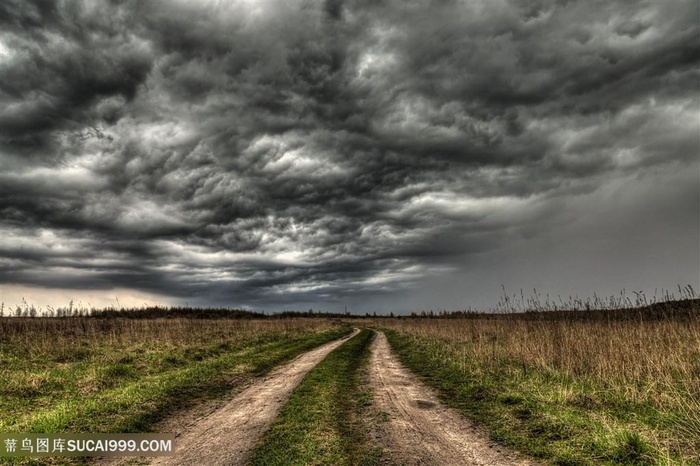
(420, 430)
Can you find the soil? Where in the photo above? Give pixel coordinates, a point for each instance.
(418, 429)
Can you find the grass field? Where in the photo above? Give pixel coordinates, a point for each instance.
(609, 387)
(122, 375)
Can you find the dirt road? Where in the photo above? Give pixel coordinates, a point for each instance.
(420, 430)
(226, 436)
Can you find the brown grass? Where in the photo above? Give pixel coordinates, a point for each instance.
(643, 358)
(619, 380)
(71, 335)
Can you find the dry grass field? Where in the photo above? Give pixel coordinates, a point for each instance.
(574, 387)
(568, 387)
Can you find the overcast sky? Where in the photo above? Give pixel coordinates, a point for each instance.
(384, 156)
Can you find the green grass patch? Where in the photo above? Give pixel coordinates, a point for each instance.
(554, 417)
(321, 422)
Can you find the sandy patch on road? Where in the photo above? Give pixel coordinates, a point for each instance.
(226, 435)
(419, 429)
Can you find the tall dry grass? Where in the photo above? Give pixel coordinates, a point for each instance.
(626, 383)
(655, 360)
(36, 336)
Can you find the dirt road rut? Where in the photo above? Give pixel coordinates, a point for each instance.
(226, 436)
(420, 430)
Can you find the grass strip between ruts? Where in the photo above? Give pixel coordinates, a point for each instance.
(320, 424)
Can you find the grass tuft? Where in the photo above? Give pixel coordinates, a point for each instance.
(632, 449)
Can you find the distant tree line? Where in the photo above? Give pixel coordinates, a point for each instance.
(657, 310)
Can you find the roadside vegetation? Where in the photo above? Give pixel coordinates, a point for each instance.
(616, 386)
(583, 382)
(85, 374)
(321, 424)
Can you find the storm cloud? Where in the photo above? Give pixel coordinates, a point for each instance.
(381, 155)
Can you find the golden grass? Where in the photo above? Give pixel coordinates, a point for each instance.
(649, 360)
(71, 335)
(624, 383)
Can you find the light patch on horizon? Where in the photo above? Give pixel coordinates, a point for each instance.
(43, 298)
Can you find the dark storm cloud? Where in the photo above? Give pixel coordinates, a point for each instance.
(72, 67)
(297, 152)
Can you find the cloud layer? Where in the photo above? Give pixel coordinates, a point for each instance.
(391, 155)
